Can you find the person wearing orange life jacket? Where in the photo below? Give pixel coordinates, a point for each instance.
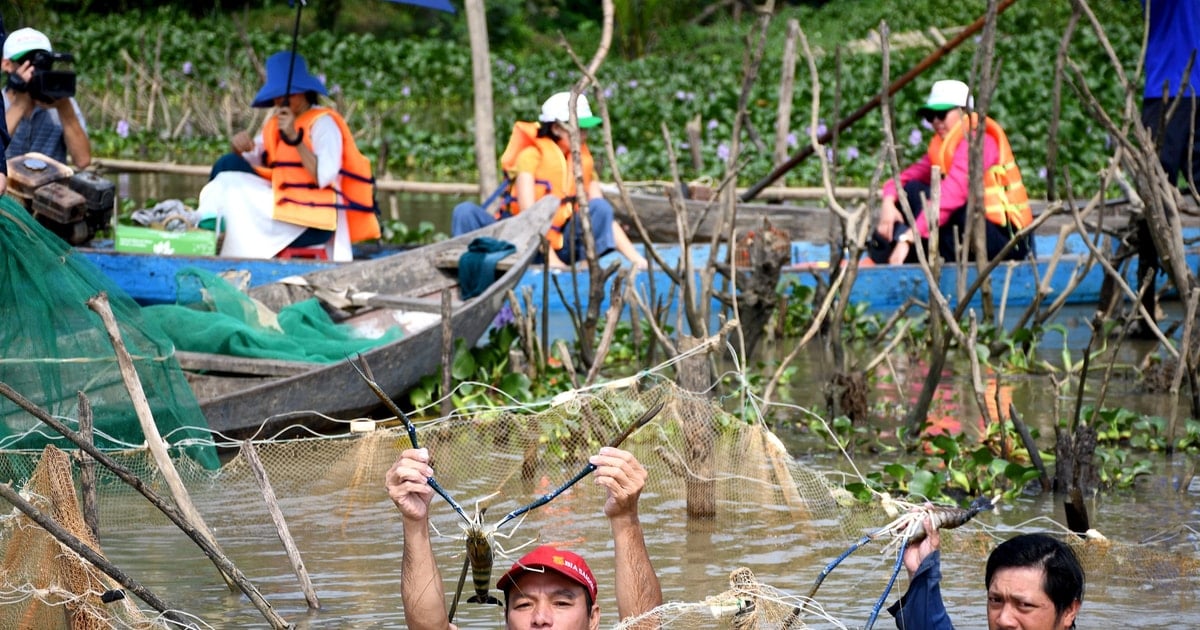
(538, 162)
(1006, 203)
(301, 183)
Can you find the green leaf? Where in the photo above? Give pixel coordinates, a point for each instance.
(464, 366)
(924, 484)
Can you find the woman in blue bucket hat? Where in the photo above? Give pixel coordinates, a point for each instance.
(301, 183)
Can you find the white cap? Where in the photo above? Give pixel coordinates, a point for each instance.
(24, 40)
(557, 109)
(947, 94)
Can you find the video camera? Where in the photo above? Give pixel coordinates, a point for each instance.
(46, 85)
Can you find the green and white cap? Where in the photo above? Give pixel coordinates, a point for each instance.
(24, 40)
(946, 95)
(557, 109)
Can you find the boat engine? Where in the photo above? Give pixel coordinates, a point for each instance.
(72, 205)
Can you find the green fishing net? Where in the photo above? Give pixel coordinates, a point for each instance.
(53, 346)
(213, 316)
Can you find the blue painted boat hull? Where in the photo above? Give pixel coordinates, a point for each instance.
(885, 288)
(150, 278)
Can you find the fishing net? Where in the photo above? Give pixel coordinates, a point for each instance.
(717, 482)
(44, 584)
(55, 347)
(213, 315)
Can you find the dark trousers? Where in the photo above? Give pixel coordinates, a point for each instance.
(948, 234)
(1178, 149)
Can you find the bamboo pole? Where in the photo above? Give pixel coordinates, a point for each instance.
(223, 563)
(786, 89)
(870, 105)
(141, 406)
(447, 354)
(87, 469)
(72, 542)
(281, 528)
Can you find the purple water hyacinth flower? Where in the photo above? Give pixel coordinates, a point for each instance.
(336, 89)
(123, 128)
(552, 74)
(821, 128)
(680, 95)
(405, 118)
(792, 140)
(712, 124)
(829, 153)
(722, 152)
(187, 67)
(685, 145)
(608, 92)
(1042, 172)
(632, 83)
(512, 89)
(622, 150)
(321, 78)
(405, 91)
(914, 137)
(851, 153)
(504, 317)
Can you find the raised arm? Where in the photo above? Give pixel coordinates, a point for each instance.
(420, 581)
(75, 136)
(636, 584)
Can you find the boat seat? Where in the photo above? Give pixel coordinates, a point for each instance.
(314, 253)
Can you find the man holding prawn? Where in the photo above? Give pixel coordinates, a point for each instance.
(547, 587)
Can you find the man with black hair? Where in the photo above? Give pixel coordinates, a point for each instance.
(1034, 582)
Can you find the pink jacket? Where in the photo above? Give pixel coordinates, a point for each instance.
(955, 187)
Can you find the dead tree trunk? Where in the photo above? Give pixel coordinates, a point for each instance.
(695, 414)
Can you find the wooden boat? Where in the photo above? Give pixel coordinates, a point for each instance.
(802, 222)
(242, 396)
(883, 288)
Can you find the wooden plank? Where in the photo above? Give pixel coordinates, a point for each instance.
(448, 259)
(205, 362)
(406, 303)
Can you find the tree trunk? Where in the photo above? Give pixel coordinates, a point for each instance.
(481, 73)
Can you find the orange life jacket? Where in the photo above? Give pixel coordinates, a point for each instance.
(554, 175)
(300, 201)
(1005, 201)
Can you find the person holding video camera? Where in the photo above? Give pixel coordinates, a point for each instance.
(40, 109)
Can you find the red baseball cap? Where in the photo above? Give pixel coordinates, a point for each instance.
(547, 558)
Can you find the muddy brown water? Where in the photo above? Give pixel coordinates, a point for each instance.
(354, 557)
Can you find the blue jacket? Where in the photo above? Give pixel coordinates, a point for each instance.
(921, 608)
(1173, 36)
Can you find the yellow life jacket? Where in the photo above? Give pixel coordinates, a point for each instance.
(1005, 201)
(300, 201)
(554, 175)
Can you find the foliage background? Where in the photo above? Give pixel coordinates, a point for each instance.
(169, 82)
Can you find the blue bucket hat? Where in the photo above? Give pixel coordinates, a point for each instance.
(277, 76)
